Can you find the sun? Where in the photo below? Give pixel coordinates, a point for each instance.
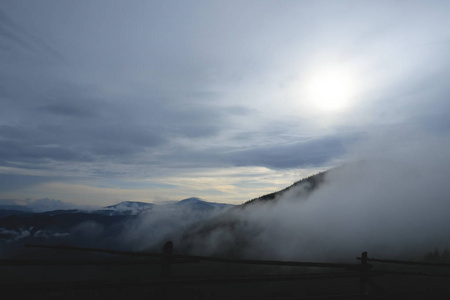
(331, 88)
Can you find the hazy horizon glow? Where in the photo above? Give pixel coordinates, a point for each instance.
(107, 101)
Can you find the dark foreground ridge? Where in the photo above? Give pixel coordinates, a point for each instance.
(311, 183)
(166, 275)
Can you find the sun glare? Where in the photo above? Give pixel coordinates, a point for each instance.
(331, 89)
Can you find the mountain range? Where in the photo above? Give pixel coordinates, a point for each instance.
(105, 227)
(128, 225)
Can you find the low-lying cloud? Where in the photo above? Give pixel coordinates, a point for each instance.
(391, 200)
(163, 223)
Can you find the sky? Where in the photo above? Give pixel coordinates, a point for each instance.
(108, 101)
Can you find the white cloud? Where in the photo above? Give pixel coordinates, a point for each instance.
(391, 201)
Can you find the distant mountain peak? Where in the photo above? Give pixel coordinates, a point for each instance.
(192, 200)
(197, 203)
(129, 204)
(129, 207)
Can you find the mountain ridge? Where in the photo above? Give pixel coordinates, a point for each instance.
(134, 225)
(311, 183)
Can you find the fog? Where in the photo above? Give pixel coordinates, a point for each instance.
(391, 198)
(153, 228)
(125, 227)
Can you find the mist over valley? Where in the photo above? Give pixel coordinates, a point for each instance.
(392, 203)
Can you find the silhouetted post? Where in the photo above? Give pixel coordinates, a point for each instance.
(166, 260)
(363, 276)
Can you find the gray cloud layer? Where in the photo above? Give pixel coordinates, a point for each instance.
(172, 85)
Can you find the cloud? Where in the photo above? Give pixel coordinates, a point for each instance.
(11, 33)
(391, 201)
(68, 110)
(16, 39)
(14, 182)
(176, 87)
(162, 223)
(15, 235)
(100, 228)
(42, 205)
(314, 152)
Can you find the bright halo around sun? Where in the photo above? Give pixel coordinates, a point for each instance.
(331, 88)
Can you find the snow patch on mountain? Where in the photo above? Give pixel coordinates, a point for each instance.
(128, 208)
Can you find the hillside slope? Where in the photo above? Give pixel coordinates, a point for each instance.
(229, 234)
(310, 184)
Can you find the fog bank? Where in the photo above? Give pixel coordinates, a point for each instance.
(391, 199)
